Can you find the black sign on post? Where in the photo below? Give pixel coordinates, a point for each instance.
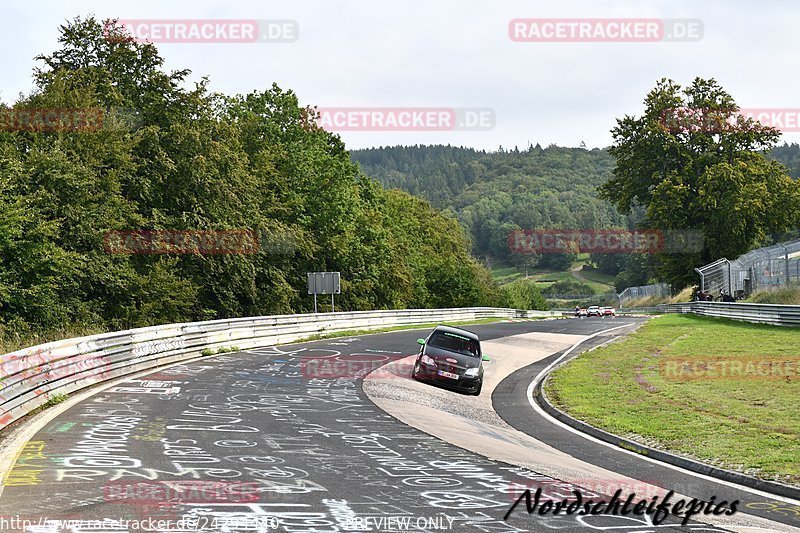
(324, 283)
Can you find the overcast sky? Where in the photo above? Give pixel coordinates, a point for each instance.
(455, 54)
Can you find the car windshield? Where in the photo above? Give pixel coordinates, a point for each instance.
(455, 343)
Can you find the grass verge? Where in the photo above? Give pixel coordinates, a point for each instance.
(682, 297)
(647, 301)
(505, 274)
(748, 423)
(601, 283)
(787, 296)
(54, 399)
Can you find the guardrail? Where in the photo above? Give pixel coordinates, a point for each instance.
(775, 314)
(31, 376)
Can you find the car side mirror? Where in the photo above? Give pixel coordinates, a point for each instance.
(421, 342)
(485, 358)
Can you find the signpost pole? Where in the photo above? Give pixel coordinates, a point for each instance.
(324, 283)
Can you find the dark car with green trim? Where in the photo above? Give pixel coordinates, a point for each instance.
(451, 357)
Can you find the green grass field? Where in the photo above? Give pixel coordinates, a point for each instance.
(747, 423)
(599, 282)
(505, 274)
(545, 278)
(594, 276)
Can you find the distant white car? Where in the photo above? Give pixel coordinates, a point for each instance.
(594, 311)
(609, 311)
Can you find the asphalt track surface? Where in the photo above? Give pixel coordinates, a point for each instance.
(264, 440)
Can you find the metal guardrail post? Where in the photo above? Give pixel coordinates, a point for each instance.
(702, 280)
(730, 282)
(786, 259)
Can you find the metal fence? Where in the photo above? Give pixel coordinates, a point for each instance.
(606, 296)
(659, 290)
(31, 376)
(764, 268)
(775, 314)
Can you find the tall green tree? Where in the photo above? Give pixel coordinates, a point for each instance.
(171, 155)
(692, 163)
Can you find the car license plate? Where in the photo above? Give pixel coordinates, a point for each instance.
(448, 374)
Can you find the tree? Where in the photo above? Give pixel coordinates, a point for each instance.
(692, 163)
(522, 294)
(200, 161)
(569, 286)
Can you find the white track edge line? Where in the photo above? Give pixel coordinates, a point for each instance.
(541, 412)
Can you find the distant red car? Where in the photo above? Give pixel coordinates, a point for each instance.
(609, 311)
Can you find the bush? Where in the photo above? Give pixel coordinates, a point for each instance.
(787, 296)
(569, 286)
(196, 160)
(55, 399)
(522, 294)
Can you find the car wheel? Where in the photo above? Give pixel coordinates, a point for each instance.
(478, 390)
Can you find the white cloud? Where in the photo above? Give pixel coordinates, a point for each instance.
(455, 53)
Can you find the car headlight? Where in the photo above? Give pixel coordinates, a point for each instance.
(472, 372)
(427, 360)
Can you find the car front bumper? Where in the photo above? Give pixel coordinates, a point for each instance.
(465, 383)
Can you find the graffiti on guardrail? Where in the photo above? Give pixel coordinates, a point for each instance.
(48, 366)
(14, 363)
(143, 349)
